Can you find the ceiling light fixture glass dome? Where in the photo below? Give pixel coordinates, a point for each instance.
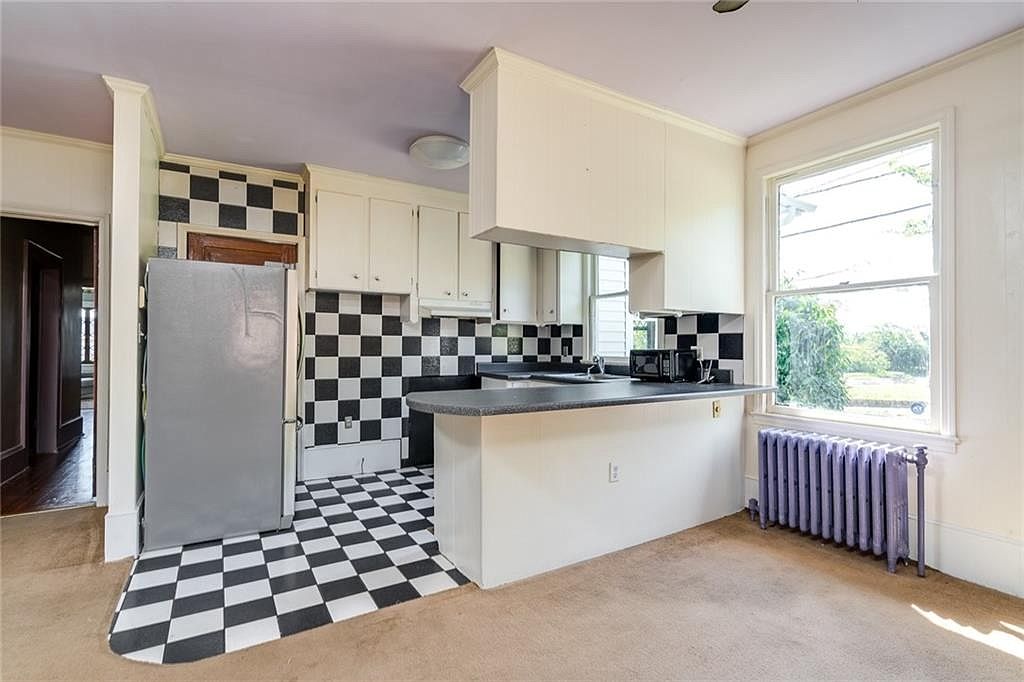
(442, 152)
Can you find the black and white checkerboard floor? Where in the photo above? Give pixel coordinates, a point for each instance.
(358, 544)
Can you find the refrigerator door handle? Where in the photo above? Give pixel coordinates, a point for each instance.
(297, 421)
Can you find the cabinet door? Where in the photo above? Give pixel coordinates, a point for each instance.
(547, 275)
(570, 287)
(392, 247)
(475, 265)
(517, 283)
(439, 253)
(341, 238)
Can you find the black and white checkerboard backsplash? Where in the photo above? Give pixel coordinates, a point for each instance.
(223, 198)
(719, 336)
(357, 351)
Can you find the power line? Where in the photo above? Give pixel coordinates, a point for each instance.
(856, 220)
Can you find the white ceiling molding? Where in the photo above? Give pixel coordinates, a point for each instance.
(906, 80)
(530, 67)
(211, 164)
(8, 131)
(385, 188)
(115, 84)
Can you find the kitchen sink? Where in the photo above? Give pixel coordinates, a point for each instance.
(581, 377)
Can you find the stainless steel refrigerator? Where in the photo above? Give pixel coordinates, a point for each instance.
(220, 409)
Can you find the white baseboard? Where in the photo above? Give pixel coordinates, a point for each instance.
(325, 461)
(121, 534)
(975, 556)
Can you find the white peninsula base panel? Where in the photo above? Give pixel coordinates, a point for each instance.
(520, 494)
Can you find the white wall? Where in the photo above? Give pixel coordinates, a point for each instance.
(975, 495)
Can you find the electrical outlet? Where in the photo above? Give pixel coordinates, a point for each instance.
(348, 422)
(566, 349)
(613, 472)
(716, 409)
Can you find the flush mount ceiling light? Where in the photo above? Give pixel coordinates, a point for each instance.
(726, 6)
(442, 152)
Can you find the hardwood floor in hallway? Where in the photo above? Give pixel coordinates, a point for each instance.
(54, 481)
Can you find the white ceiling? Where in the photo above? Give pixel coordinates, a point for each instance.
(349, 86)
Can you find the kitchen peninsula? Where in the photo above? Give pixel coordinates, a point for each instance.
(532, 479)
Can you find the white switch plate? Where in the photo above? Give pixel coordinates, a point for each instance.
(613, 472)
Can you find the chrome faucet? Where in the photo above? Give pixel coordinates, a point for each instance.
(599, 363)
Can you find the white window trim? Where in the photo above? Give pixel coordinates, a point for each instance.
(941, 434)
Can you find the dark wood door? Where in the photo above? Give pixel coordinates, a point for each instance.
(210, 247)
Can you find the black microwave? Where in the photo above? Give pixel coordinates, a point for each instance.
(663, 365)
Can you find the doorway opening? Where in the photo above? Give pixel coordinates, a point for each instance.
(48, 361)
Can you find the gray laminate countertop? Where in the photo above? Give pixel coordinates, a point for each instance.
(489, 402)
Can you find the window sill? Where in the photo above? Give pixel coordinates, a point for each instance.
(936, 442)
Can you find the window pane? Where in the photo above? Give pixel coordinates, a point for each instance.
(861, 353)
(864, 221)
(612, 275)
(612, 325)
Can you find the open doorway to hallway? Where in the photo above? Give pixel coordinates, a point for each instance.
(48, 362)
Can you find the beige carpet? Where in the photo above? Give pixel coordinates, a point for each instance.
(725, 600)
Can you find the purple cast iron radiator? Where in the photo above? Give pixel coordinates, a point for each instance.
(850, 491)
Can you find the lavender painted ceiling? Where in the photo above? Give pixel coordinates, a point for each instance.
(350, 85)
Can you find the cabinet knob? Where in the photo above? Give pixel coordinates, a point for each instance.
(504, 310)
(355, 276)
(376, 278)
(465, 293)
(447, 293)
(551, 312)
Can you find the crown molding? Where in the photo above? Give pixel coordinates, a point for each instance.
(1003, 42)
(211, 164)
(123, 86)
(424, 193)
(50, 138)
(500, 58)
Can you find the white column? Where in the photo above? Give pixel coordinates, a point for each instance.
(137, 148)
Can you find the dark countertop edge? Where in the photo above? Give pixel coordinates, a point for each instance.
(415, 403)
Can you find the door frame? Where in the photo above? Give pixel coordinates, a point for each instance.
(101, 424)
(185, 229)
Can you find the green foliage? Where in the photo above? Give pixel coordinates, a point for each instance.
(864, 357)
(923, 176)
(810, 361)
(906, 350)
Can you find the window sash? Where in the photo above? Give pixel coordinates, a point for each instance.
(938, 366)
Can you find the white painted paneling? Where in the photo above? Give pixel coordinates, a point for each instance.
(521, 494)
(975, 491)
(325, 461)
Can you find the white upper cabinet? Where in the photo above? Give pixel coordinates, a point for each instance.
(562, 163)
(392, 257)
(476, 263)
(701, 269)
(363, 235)
(439, 253)
(517, 283)
(342, 241)
(362, 243)
(560, 286)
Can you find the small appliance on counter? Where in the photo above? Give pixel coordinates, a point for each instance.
(675, 365)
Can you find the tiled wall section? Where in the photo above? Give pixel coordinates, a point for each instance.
(357, 350)
(719, 336)
(225, 198)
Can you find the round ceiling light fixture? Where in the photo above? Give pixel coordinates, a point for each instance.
(442, 152)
